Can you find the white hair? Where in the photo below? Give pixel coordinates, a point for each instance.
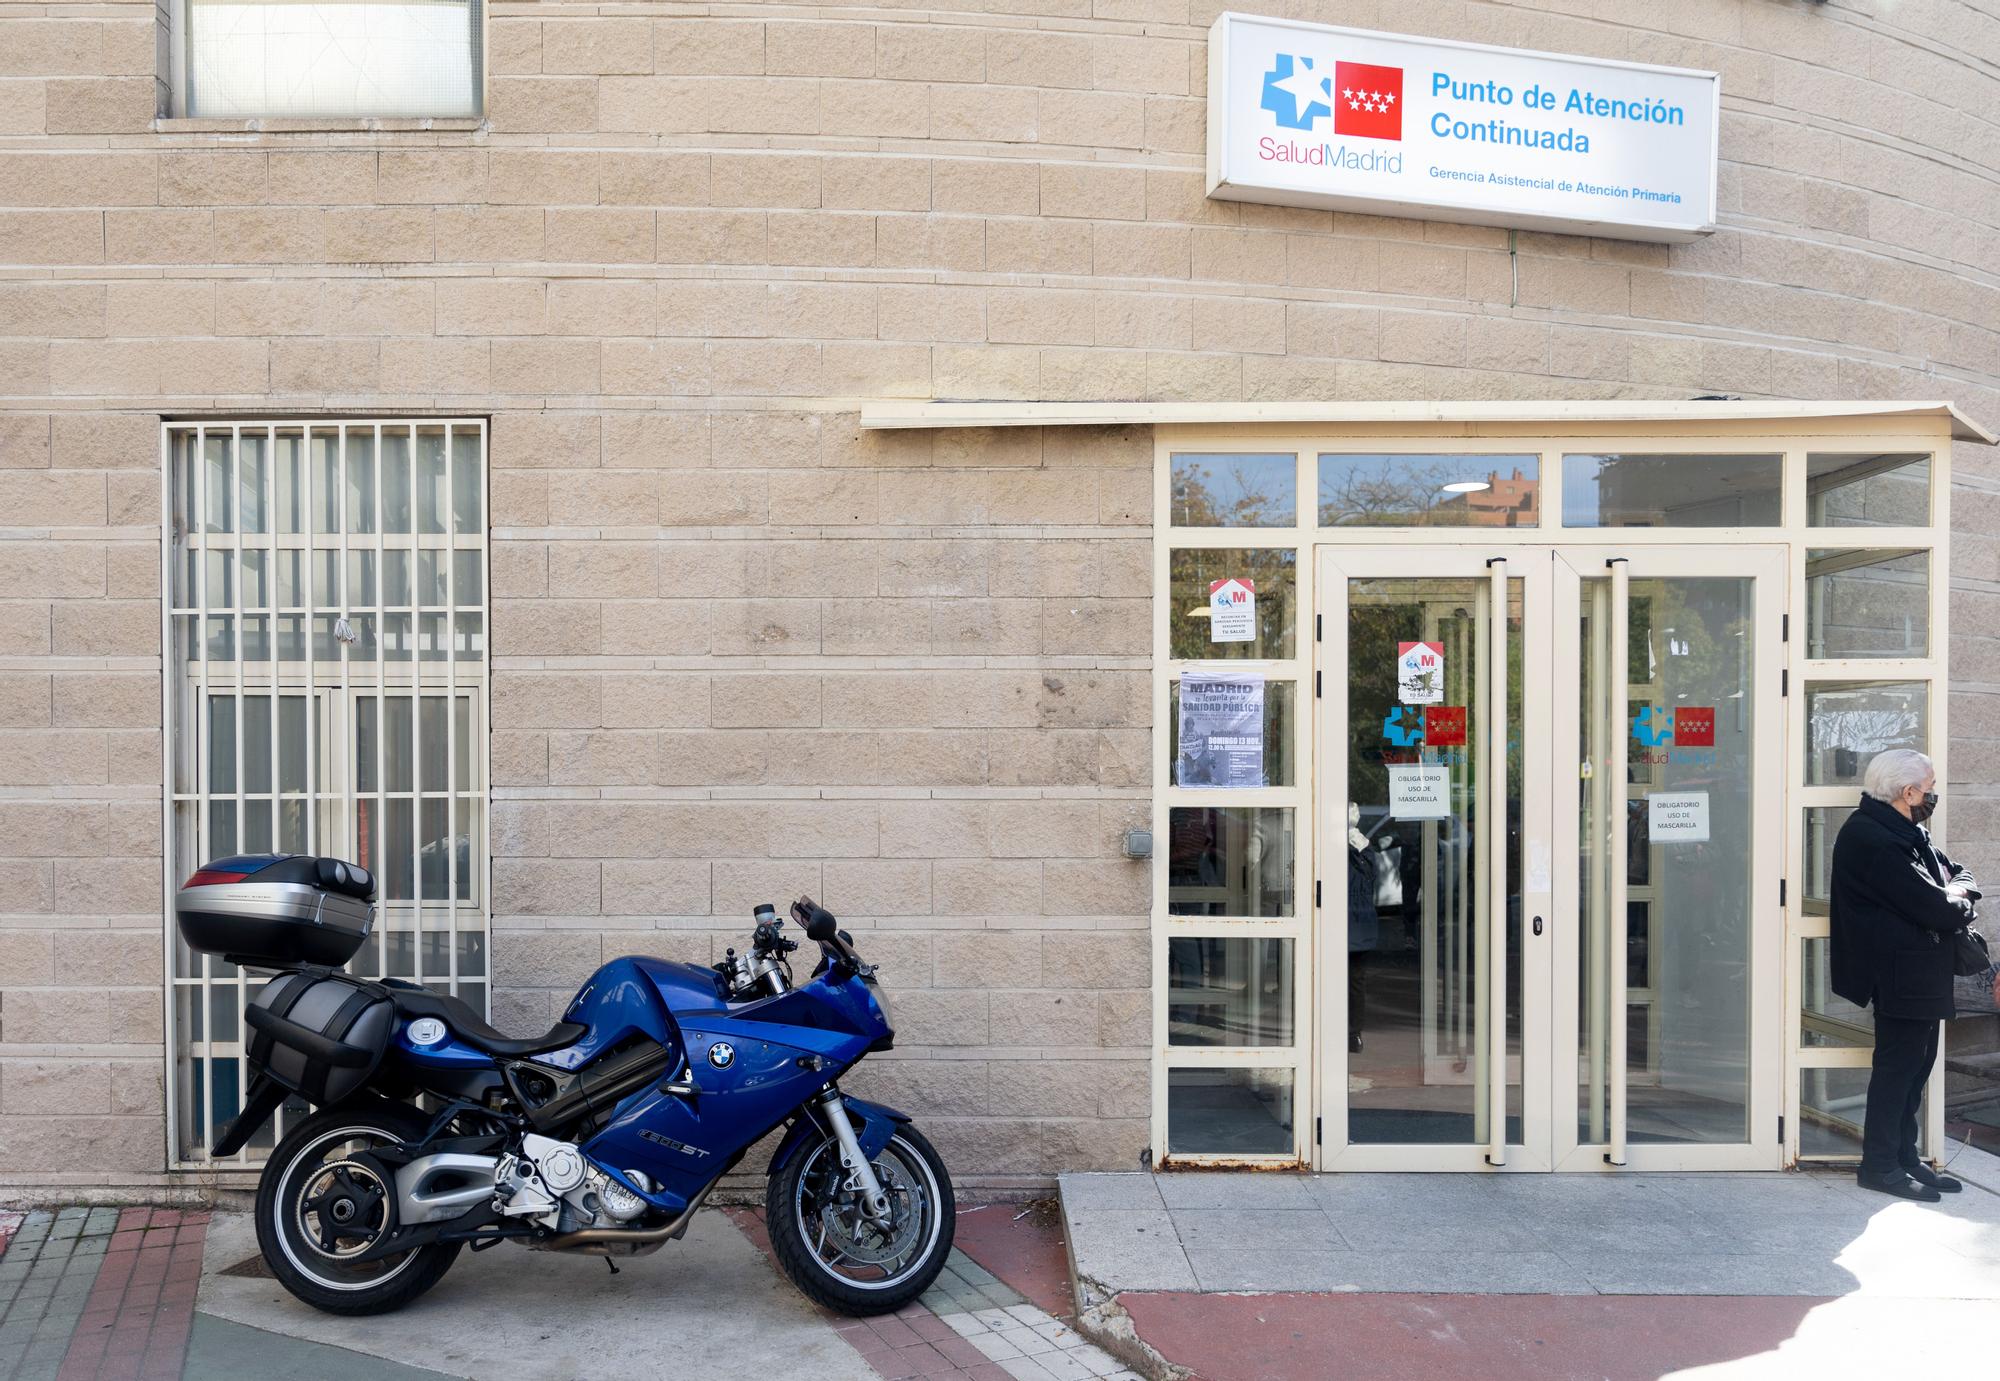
(1892, 773)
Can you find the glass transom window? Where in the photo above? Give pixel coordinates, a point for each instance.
(1225, 489)
(1672, 490)
(1384, 490)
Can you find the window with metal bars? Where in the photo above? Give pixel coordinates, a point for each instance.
(326, 693)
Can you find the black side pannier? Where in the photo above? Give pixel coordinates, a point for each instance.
(320, 1034)
(277, 911)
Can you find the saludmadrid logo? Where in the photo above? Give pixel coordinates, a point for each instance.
(1363, 100)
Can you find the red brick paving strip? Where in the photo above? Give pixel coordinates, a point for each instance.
(1023, 1246)
(1459, 1337)
(135, 1324)
(912, 1342)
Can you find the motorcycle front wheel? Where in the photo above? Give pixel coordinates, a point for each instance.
(834, 1252)
(318, 1210)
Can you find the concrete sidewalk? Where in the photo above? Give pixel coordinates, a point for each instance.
(1268, 1277)
(540, 1317)
(107, 1294)
(1768, 1234)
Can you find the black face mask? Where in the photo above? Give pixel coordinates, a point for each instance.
(1925, 808)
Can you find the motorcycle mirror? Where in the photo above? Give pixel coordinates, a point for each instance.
(821, 923)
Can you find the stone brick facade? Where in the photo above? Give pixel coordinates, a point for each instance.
(743, 649)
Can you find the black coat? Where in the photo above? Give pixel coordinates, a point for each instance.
(1892, 917)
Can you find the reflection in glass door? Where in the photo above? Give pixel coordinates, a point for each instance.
(1425, 797)
(1550, 825)
(1674, 720)
(1419, 911)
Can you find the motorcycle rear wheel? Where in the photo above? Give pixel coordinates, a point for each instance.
(838, 1259)
(317, 1210)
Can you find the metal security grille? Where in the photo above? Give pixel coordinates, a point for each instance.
(326, 692)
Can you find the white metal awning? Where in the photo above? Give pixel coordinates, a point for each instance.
(906, 413)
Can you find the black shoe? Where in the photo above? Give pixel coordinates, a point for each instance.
(1943, 1184)
(1899, 1186)
(1354, 1043)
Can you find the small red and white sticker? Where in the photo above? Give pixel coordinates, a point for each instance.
(1232, 611)
(1420, 673)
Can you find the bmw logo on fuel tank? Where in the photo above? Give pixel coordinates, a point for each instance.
(722, 1054)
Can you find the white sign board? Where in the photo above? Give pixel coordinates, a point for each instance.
(1232, 611)
(1420, 673)
(1419, 791)
(1310, 115)
(1677, 817)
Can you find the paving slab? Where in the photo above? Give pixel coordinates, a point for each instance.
(1192, 1189)
(1137, 1249)
(1776, 1234)
(1483, 1230)
(1400, 1272)
(1708, 1273)
(1113, 1190)
(712, 1301)
(219, 1350)
(1253, 1229)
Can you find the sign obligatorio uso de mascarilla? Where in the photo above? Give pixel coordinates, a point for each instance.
(1310, 115)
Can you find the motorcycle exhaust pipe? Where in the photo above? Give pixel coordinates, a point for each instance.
(634, 1237)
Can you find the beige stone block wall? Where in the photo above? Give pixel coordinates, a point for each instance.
(743, 655)
(743, 649)
(80, 948)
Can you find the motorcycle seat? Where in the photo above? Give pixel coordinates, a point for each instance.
(471, 1028)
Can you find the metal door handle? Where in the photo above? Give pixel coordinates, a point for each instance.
(1618, 712)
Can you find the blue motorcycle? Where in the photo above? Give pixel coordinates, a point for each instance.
(604, 1136)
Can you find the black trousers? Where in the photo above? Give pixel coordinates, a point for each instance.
(1904, 1053)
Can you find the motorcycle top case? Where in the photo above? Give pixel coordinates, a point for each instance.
(277, 911)
(320, 1034)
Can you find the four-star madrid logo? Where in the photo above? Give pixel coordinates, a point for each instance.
(1370, 100)
(1365, 100)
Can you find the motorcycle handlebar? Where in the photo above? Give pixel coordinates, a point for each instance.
(823, 926)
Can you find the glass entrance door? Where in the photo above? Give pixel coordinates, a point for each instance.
(1549, 789)
(1433, 773)
(1670, 727)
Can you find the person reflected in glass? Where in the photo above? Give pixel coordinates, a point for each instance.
(1364, 925)
(1895, 902)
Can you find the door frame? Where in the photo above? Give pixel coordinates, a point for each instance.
(1550, 437)
(1767, 566)
(1333, 566)
(1551, 578)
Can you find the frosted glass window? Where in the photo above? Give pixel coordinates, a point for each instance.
(334, 58)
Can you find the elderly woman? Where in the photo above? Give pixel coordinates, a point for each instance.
(1896, 899)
